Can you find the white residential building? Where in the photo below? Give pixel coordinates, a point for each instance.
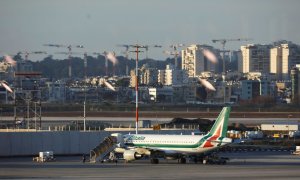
(147, 76)
(171, 76)
(283, 58)
(194, 62)
(255, 58)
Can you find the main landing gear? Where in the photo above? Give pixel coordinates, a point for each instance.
(154, 161)
(182, 160)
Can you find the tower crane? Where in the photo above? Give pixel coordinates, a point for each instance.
(109, 56)
(174, 52)
(146, 47)
(85, 54)
(126, 46)
(69, 47)
(28, 53)
(223, 43)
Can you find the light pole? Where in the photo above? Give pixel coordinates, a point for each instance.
(289, 116)
(84, 125)
(1, 109)
(85, 77)
(35, 115)
(137, 46)
(28, 101)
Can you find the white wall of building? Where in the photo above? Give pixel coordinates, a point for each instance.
(171, 76)
(283, 58)
(255, 58)
(194, 62)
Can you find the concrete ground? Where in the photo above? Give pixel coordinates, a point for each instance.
(242, 165)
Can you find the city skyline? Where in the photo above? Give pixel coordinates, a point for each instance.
(101, 25)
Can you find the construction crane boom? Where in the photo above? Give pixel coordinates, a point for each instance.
(174, 52)
(126, 46)
(69, 47)
(146, 47)
(27, 53)
(224, 41)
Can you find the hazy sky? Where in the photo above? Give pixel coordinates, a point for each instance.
(102, 24)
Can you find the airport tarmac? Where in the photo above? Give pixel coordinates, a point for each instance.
(242, 165)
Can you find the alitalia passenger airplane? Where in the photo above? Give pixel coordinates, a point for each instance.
(135, 146)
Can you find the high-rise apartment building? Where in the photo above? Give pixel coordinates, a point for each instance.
(295, 78)
(255, 58)
(251, 89)
(171, 76)
(284, 56)
(194, 62)
(147, 76)
(233, 65)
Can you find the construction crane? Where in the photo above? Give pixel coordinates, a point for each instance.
(108, 56)
(126, 46)
(223, 51)
(174, 52)
(85, 65)
(223, 43)
(69, 47)
(146, 47)
(85, 55)
(28, 53)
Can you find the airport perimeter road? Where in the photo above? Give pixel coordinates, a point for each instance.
(253, 165)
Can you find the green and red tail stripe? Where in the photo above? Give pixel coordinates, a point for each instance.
(219, 129)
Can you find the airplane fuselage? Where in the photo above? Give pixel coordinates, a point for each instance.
(170, 144)
(135, 146)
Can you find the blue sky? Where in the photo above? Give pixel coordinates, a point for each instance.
(100, 25)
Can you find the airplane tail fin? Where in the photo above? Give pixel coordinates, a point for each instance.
(219, 129)
(221, 124)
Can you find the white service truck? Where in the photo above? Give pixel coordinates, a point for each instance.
(45, 156)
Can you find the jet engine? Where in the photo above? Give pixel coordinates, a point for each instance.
(130, 155)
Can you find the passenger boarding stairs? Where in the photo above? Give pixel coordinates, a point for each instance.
(104, 148)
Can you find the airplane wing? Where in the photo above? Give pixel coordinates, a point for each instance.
(156, 151)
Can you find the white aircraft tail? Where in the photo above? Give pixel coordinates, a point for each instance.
(218, 131)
